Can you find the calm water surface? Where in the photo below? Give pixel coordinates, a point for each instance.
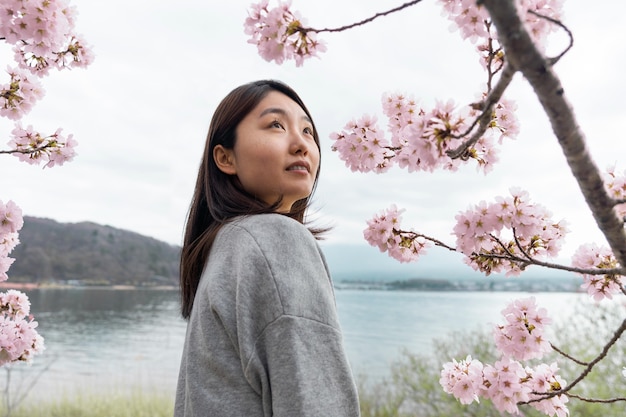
(102, 339)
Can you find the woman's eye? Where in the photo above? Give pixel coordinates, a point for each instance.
(308, 131)
(277, 124)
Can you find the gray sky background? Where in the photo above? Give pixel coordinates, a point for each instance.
(141, 112)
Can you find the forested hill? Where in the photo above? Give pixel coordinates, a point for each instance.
(91, 254)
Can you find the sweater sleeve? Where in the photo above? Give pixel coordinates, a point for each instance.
(289, 336)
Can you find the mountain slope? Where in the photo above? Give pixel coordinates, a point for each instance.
(89, 253)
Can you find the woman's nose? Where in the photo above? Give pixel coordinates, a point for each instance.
(299, 143)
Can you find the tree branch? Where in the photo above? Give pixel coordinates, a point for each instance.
(522, 53)
(487, 110)
(415, 235)
(605, 350)
(571, 358)
(533, 261)
(30, 151)
(596, 400)
(362, 22)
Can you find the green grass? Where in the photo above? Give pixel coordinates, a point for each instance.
(132, 404)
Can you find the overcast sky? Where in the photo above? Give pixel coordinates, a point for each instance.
(140, 113)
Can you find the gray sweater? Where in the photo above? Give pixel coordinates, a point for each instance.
(263, 337)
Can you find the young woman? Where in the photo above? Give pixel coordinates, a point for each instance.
(263, 337)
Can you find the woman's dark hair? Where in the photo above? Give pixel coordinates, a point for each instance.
(218, 197)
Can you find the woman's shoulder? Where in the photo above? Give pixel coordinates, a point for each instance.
(270, 226)
(273, 234)
(265, 219)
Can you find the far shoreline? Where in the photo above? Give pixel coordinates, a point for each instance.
(54, 286)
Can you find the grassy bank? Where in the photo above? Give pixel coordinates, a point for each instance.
(413, 388)
(133, 404)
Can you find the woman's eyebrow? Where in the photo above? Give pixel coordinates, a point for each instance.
(282, 112)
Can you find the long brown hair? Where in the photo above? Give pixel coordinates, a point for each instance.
(217, 198)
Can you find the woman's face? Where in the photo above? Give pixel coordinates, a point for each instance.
(275, 154)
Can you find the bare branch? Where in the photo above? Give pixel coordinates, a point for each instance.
(362, 22)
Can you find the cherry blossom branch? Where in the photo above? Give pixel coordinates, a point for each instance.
(31, 150)
(490, 59)
(415, 235)
(605, 350)
(362, 22)
(485, 118)
(510, 256)
(523, 54)
(597, 400)
(533, 261)
(568, 356)
(529, 260)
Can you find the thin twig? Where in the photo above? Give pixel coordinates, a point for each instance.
(556, 59)
(571, 358)
(519, 246)
(362, 22)
(596, 400)
(431, 239)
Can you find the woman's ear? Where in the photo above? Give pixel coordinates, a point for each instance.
(224, 159)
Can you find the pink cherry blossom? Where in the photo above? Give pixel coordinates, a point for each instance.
(616, 186)
(11, 219)
(504, 384)
(278, 33)
(480, 233)
(468, 17)
(401, 110)
(592, 256)
(463, 379)
(474, 23)
(42, 32)
(8, 241)
(18, 97)
(523, 335)
(545, 380)
(384, 232)
(15, 303)
(5, 264)
(362, 146)
(34, 148)
(420, 138)
(19, 340)
(538, 27)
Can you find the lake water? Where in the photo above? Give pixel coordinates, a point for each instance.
(115, 340)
